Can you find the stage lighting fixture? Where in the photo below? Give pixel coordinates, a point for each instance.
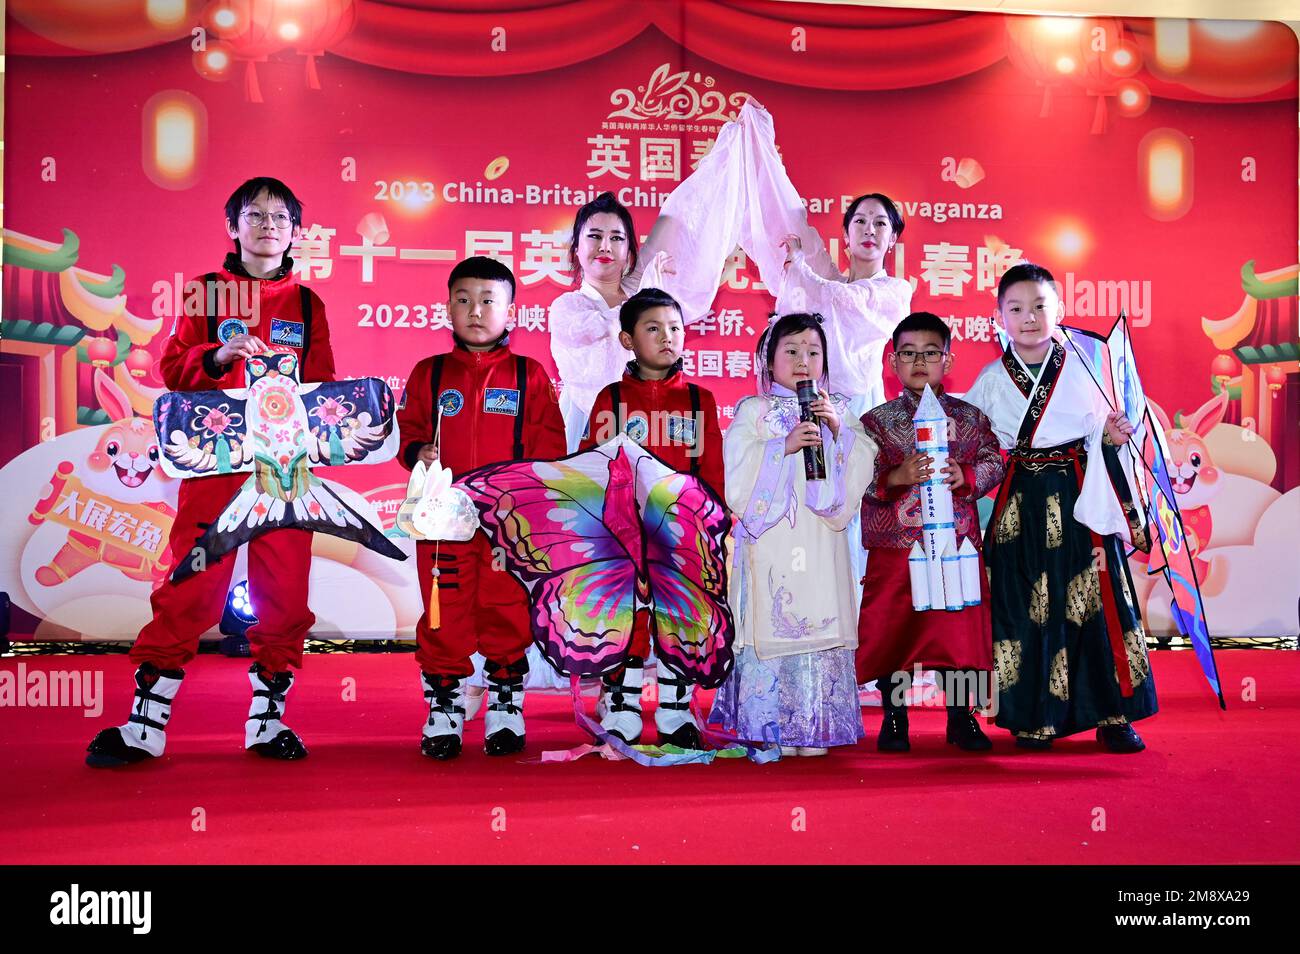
(236, 619)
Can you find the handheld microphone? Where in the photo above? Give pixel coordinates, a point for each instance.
(814, 458)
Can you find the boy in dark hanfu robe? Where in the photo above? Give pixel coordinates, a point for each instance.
(893, 637)
(1069, 648)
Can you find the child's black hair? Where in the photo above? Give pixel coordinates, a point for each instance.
(605, 202)
(891, 210)
(923, 321)
(483, 268)
(783, 327)
(250, 190)
(640, 303)
(1023, 272)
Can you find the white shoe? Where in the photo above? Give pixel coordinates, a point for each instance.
(445, 726)
(789, 750)
(144, 735)
(619, 705)
(812, 750)
(673, 717)
(503, 722)
(264, 730)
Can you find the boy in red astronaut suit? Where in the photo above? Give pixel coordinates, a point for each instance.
(496, 406)
(678, 421)
(250, 307)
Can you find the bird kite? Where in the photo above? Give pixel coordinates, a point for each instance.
(276, 430)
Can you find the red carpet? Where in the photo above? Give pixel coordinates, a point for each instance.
(1212, 787)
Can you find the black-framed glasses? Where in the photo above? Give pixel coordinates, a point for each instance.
(929, 356)
(255, 217)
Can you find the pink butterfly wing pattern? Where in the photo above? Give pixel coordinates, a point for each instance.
(685, 529)
(599, 535)
(547, 519)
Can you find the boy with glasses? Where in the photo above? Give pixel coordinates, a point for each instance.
(250, 307)
(893, 638)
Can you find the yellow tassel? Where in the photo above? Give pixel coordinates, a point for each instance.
(435, 611)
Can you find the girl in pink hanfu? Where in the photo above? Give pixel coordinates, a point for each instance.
(793, 592)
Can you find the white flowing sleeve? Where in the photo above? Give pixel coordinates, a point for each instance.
(1099, 507)
(576, 320)
(760, 476)
(878, 304)
(993, 400)
(773, 208)
(700, 226)
(850, 466)
(652, 274)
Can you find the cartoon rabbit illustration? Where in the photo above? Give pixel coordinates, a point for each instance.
(124, 468)
(1192, 474)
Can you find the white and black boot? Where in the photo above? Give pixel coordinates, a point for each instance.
(264, 732)
(619, 705)
(673, 718)
(445, 727)
(503, 722)
(145, 734)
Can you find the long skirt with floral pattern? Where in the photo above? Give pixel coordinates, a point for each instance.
(808, 699)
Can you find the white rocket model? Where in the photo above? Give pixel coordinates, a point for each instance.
(944, 576)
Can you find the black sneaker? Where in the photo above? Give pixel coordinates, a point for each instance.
(285, 747)
(503, 742)
(1120, 739)
(687, 736)
(109, 750)
(441, 747)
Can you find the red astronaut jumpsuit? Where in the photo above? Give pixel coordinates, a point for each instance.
(673, 419)
(288, 317)
(497, 406)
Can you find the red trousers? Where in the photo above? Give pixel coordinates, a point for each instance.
(483, 609)
(278, 565)
(639, 647)
(892, 637)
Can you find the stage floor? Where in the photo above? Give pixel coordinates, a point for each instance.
(1212, 787)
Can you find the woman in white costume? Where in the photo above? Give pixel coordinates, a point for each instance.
(862, 308)
(699, 226)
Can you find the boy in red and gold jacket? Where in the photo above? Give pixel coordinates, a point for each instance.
(496, 406)
(251, 306)
(658, 408)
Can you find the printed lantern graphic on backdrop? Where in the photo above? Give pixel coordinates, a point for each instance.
(252, 30)
(268, 429)
(943, 575)
(1090, 53)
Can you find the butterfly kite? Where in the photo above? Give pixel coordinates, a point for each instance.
(600, 536)
(276, 430)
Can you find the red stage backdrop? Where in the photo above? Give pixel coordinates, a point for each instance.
(1150, 164)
